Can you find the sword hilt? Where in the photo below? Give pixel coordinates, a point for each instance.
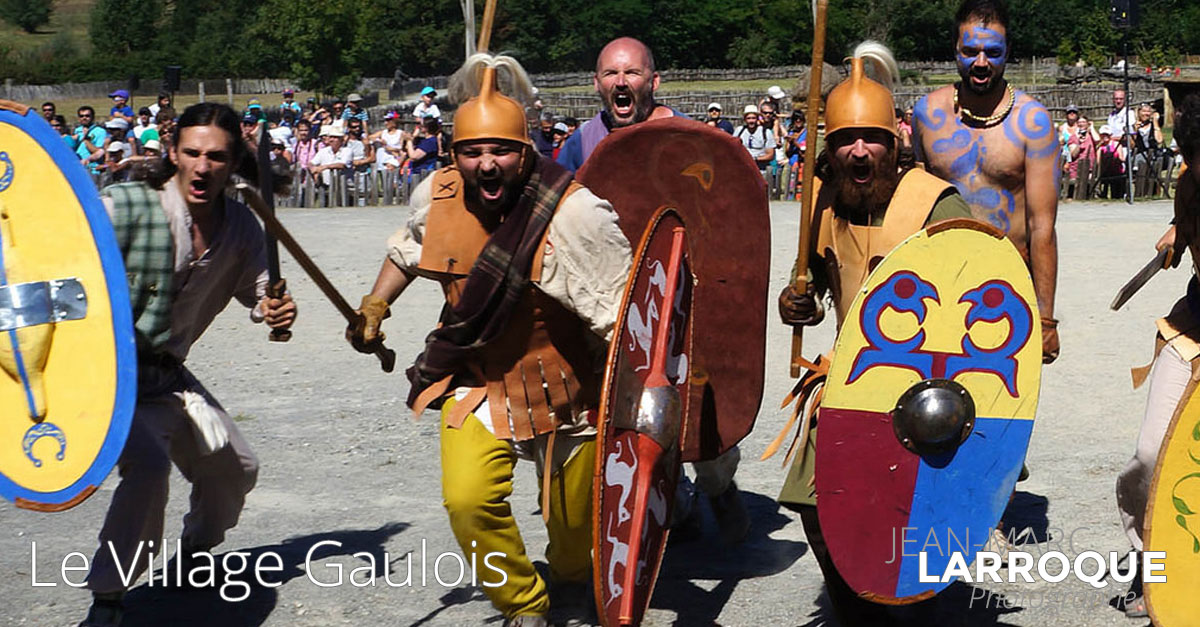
(277, 290)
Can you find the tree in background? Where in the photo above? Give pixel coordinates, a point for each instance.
(328, 44)
(120, 28)
(27, 15)
(314, 43)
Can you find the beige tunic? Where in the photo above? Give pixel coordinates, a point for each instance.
(234, 266)
(584, 266)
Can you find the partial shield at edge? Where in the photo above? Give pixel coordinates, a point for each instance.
(68, 365)
(710, 180)
(1172, 522)
(645, 395)
(954, 303)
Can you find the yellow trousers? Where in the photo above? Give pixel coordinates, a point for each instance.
(477, 475)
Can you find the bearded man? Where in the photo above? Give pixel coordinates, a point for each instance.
(998, 146)
(866, 204)
(534, 267)
(626, 81)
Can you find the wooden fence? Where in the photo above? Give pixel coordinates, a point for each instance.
(1093, 101)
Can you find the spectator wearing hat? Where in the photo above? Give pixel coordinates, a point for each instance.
(757, 138)
(250, 129)
(115, 160)
(289, 104)
(1069, 125)
(255, 107)
(715, 119)
(389, 143)
(142, 124)
(796, 144)
(152, 149)
(775, 96)
(561, 133)
(354, 109)
(120, 109)
(335, 156)
(117, 129)
(426, 106)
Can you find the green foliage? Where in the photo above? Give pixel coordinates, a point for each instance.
(1158, 56)
(327, 45)
(1091, 38)
(27, 15)
(316, 41)
(122, 27)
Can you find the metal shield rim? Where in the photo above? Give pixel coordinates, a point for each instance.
(113, 267)
(602, 426)
(930, 232)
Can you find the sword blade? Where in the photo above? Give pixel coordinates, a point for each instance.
(1141, 278)
(266, 190)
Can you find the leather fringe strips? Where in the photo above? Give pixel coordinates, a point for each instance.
(806, 395)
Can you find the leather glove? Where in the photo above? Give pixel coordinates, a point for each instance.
(364, 334)
(1049, 340)
(800, 309)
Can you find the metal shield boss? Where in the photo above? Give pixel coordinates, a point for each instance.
(685, 369)
(1172, 523)
(928, 409)
(68, 367)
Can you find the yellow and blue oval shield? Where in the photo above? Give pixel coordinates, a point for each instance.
(954, 302)
(68, 366)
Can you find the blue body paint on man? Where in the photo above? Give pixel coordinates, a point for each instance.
(997, 146)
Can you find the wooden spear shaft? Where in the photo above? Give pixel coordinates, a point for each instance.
(800, 282)
(485, 30)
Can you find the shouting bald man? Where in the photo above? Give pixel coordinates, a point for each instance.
(626, 81)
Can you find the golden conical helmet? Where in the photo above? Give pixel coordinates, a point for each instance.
(490, 115)
(859, 102)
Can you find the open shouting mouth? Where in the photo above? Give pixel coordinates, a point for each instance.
(623, 104)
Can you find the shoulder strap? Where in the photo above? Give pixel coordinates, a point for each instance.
(912, 203)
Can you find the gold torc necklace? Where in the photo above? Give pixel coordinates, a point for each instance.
(991, 119)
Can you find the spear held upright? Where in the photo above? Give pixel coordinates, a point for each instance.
(800, 282)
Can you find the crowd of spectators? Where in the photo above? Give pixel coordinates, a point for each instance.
(110, 148)
(317, 142)
(1097, 162)
(775, 142)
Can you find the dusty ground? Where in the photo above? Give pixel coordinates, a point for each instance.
(342, 460)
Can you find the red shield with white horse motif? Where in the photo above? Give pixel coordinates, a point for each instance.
(646, 393)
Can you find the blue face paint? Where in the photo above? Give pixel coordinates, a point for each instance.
(977, 39)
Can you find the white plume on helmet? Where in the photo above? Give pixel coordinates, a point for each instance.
(887, 71)
(514, 81)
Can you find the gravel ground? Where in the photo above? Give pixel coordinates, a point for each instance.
(343, 461)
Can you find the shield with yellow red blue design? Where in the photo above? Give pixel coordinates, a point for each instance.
(928, 409)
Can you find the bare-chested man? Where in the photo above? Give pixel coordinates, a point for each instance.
(998, 146)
